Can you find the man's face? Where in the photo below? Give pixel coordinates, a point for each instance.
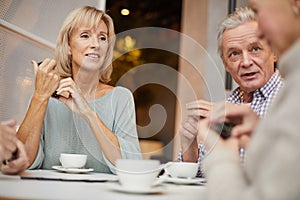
(247, 58)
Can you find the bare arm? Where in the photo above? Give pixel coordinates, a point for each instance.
(46, 82)
(105, 137)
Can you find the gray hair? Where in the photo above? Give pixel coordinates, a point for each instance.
(238, 17)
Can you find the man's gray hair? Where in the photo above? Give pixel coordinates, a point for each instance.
(238, 17)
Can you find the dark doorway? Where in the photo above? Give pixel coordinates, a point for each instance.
(147, 61)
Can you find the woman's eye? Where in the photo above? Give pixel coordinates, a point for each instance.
(102, 38)
(84, 36)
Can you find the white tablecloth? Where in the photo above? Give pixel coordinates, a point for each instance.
(92, 186)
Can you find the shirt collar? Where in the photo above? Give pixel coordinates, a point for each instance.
(265, 91)
(271, 84)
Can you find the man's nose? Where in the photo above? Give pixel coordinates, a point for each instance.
(246, 59)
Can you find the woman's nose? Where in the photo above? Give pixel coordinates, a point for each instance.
(95, 43)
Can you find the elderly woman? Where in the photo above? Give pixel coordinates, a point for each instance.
(87, 116)
(271, 170)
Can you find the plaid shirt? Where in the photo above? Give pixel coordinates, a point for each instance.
(262, 99)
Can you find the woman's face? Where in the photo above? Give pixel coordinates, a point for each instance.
(277, 22)
(88, 47)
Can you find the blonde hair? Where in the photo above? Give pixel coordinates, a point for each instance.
(92, 17)
(238, 17)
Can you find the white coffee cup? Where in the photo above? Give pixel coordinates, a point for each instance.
(72, 160)
(137, 174)
(181, 169)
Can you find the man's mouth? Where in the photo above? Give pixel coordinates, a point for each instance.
(248, 74)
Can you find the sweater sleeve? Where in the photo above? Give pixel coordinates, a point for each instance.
(125, 125)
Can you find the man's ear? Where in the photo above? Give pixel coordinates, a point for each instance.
(275, 58)
(224, 64)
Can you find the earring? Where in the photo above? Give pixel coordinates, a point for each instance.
(295, 10)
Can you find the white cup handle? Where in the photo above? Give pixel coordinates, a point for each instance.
(165, 166)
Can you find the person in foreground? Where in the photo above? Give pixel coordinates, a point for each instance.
(250, 61)
(88, 116)
(271, 170)
(12, 151)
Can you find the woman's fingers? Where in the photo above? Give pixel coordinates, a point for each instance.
(35, 67)
(47, 65)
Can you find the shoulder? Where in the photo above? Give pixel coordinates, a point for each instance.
(121, 91)
(122, 97)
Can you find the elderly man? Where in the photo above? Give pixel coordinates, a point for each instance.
(250, 61)
(273, 157)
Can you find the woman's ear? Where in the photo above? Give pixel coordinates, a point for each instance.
(69, 51)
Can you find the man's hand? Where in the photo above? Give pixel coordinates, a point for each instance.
(8, 139)
(19, 163)
(199, 109)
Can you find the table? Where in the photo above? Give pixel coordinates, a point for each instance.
(15, 187)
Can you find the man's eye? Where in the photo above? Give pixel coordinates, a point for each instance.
(255, 49)
(232, 54)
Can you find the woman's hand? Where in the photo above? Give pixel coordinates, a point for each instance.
(75, 102)
(46, 78)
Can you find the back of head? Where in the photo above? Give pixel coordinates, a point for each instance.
(91, 17)
(238, 17)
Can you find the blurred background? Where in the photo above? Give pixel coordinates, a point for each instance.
(165, 53)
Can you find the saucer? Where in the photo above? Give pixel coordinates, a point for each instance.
(72, 170)
(136, 190)
(183, 181)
